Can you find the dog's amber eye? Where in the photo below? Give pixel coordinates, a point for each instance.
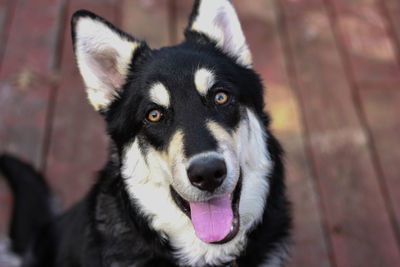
(221, 98)
(154, 115)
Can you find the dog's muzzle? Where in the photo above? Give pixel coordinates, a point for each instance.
(207, 173)
(216, 219)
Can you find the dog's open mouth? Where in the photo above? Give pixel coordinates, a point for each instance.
(216, 220)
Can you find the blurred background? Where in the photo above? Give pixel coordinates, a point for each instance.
(332, 78)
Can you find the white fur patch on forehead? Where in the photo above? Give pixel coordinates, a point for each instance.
(218, 20)
(160, 95)
(103, 56)
(204, 79)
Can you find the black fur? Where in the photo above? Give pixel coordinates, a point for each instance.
(106, 228)
(32, 204)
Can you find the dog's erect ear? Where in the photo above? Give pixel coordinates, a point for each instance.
(217, 19)
(104, 54)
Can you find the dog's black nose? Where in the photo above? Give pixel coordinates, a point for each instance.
(207, 173)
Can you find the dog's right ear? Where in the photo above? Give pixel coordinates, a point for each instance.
(104, 55)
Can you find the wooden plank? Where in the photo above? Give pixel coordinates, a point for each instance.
(25, 82)
(183, 9)
(7, 8)
(359, 226)
(382, 109)
(259, 23)
(391, 9)
(147, 20)
(364, 35)
(376, 34)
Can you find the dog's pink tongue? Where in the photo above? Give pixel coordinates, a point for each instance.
(212, 219)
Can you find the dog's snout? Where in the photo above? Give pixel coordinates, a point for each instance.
(207, 173)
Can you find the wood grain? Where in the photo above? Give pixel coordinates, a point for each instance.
(364, 34)
(376, 32)
(26, 80)
(391, 10)
(7, 8)
(147, 20)
(382, 108)
(357, 217)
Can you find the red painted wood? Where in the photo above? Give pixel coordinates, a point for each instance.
(366, 38)
(78, 144)
(25, 80)
(359, 227)
(147, 20)
(390, 183)
(183, 9)
(6, 12)
(382, 109)
(392, 11)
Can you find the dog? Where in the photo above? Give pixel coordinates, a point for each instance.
(194, 175)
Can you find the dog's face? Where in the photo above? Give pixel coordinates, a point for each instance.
(186, 121)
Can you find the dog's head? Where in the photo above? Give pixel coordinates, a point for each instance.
(186, 120)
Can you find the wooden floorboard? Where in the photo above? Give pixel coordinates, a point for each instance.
(382, 108)
(26, 78)
(7, 8)
(147, 20)
(338, 143)
(182, 13)
(391, 11)
(331, 69)
(365, 35)
(374, 34)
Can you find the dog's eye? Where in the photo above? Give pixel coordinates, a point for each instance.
(154, 115)
(221, 98)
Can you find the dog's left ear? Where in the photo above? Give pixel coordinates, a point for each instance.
(104, 55)
(217, 19)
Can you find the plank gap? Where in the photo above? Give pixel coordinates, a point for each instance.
(172, 22)
(294, 84)
(6, 16)
(390, 27)
(55, 65)
(361, 114)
